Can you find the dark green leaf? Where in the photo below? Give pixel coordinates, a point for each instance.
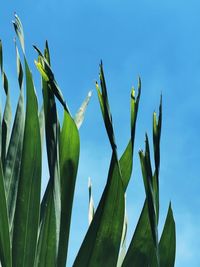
(102, 241)
(26, 218)
(13, 158)
(167, 244)
(69, 157)
(7, 116)
(141, 249)
(5, 244)
(20, 73)
(48, 240)
(126, 160)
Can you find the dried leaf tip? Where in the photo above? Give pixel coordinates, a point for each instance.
(90, 93)
(89, 183)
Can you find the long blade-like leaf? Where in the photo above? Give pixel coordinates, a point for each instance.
(141, 248)
(122, 253)
(5, 242)
(7, 115)
(26, 218)
(102, 241)
(69, 157)
(48, 241)
(13, 157)
(156, 145)
(126, 160)
(167, 244)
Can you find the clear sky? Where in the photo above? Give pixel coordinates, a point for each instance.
(158, 40)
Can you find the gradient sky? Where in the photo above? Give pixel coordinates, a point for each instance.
(158, 40)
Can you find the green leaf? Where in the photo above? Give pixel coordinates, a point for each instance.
(7, 116)
(26, 218)
(42, 124)
(69, 147)
(156, 137)
(47, 74)
(126, 160)
(14, 154)
(156, 146)
(147, 177)
(102, 241)
(105, 108)
(20, 73)
(13, 158)
(48, 240)
(167, 244)
(141, 249)
(48, 237)
(79, 117)
(5, 243)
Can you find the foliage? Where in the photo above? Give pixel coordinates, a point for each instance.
(35, 231)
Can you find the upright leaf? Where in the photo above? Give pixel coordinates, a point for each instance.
(5, 242)
(26, 218)
(69, 146)
(13, 157)
(122, 253)
(7, 115)
(167, 244)
(102, 242)
(48, 240)
(141, 249)
(156, 146)
(126, 160)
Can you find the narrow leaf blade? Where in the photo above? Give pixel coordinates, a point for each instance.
(167, 244)
(26, 218)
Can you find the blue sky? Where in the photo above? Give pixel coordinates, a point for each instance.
(158, 40)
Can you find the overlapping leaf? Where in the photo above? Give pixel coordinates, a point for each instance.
(7, 115)
(26, 219)
(5, 241)
(13, 157)
(109, 216)
(48, 240)
(69, 146)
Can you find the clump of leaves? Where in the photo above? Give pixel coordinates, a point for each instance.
(35, 231)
